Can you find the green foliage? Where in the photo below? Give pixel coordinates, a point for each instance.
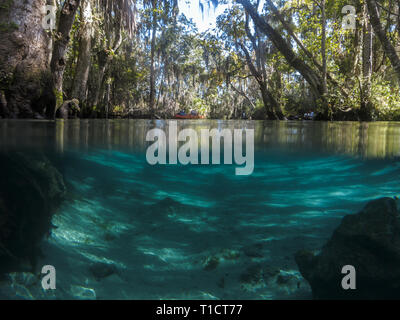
(209, 72)
(6, 4)
(201, 106)
(59, 98)
(386, 97)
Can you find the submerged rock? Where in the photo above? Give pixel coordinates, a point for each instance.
(211, 263)
(254, 274)
(284, 278)
(254, 251)
(102, 270)
(69, 110)
(31, 189)
(257, 273)
(369, 241)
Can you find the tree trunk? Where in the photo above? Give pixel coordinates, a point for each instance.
(105, 58)
(268, 100)
(107, 102)
(383, 38)
(67, 18)
(3, 106)
(152, 68)
(244, 95)
(323, 48)
(24, 51)
(312, 78)
(303, 48)
(79, 87)
(259, 72)
(366, 105)
(276, 84)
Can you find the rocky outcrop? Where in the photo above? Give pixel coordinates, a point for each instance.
(31, 189)
(69, 110)
(369, 241)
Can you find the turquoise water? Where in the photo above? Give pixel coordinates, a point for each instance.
(199, 231)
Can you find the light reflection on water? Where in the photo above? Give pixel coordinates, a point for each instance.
(370, 140)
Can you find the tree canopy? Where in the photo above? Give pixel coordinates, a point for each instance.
(263, 59)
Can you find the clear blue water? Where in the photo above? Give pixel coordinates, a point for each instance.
(200, 232)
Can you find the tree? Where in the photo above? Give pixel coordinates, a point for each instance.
(160, 12)
(117, 17)
(239, 33)
(314, 80)
(383, 38)
(24, 68)
(57, 64)
(367, 65)
(271, 62)
(79, 88)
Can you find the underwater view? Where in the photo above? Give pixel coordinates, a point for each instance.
(86, 201)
